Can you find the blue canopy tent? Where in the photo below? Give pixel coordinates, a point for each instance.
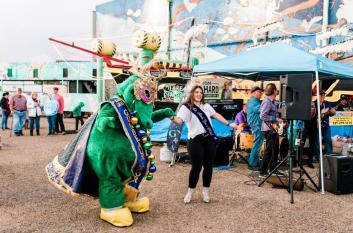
(275, 58)
(266, 62)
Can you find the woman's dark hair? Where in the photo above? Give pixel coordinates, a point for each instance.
(4, 94)
(190, 100)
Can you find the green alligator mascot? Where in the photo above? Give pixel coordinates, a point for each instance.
(111, 154)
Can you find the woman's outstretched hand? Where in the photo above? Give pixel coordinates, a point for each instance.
(176, 120)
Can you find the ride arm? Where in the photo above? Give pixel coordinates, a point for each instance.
(161, 114)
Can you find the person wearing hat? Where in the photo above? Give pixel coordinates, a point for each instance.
(326, 111)
(343, 104)
(254, 121)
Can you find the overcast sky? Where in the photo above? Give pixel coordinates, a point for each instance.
(25, 26)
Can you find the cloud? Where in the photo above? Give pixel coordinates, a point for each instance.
(27, 24)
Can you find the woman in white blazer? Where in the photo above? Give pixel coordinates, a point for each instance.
(34, 112)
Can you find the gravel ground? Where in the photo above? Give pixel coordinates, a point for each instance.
(28, 203)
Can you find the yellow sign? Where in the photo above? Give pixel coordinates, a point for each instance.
(342, 118)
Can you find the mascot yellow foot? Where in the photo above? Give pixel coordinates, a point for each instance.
(140, 206)
(120, 217)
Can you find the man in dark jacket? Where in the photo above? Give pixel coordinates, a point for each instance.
(5, 108)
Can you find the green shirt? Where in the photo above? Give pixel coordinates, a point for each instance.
(77, 110)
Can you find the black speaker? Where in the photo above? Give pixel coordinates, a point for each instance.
(227, 109)
(65, 72)
(295, 96)
(338, 174)
(222, 152)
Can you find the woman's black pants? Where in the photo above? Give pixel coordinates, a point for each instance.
(270, 158)
(202, 152)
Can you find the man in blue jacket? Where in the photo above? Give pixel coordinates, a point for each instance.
(254, 121)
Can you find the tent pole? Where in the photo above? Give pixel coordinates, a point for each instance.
(320, 133)
(325, 13)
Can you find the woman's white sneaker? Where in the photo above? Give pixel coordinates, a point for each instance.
(205, 195)
(188, 196)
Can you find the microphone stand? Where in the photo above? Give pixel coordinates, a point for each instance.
(291, 158)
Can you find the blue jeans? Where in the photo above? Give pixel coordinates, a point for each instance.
(4, 119)
(255, 150)
(19, 119)
(51, 124)
(326, 141)
(34, 121)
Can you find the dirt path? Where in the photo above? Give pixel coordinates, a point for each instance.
(28, 203)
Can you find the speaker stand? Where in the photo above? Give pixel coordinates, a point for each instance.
(292, 159)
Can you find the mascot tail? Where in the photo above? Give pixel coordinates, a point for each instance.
(66, 170)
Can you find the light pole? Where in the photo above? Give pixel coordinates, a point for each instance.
(100, 67)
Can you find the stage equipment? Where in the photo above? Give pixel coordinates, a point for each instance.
(292, 159)
(347, 149)
(222, 152)
(243, 143)
(283, 182)
(227, 108)
(295, 96)
(338, 174)
(246, 141)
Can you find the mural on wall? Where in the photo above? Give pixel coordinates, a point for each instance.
(118, 20)
(225, 27)
(239, 24)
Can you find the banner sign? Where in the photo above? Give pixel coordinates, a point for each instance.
(215, 87)
(170, 92)
(342, 118)
(211, 89)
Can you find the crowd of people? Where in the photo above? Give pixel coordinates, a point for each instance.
(262, 119)
(29, 109)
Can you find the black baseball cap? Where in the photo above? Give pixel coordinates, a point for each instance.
(344, 97)
(256, 88)
(322, 92)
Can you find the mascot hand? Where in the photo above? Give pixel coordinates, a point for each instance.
(105, 123)
(161, 114)
(169, 112)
